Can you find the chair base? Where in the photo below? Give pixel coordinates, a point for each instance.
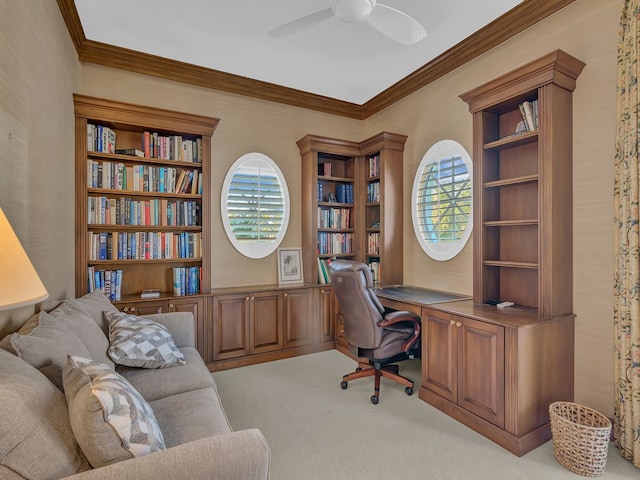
(378, 370)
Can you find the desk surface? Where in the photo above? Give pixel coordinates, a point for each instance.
(417, 295)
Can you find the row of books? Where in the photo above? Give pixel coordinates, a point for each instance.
(108, 281)
(152, 212)
(144, 245)
(101, 139)
(186, 280)
(373, 192)
(335, 243)
(374, 166)
(343, 193)
(324, 274)
(373, 243)
(334, 217)
(529, 112)
(171, 147)
(142, 178)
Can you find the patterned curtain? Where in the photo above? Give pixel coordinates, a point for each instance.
(627, 241)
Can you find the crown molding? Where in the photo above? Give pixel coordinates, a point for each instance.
(503, 28)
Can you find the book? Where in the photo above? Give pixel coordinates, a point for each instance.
(130, 151)
(150, 293)
(529, 116)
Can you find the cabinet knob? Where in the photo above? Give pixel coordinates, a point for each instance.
(172, 306)
(458, 324)
(286, 295)
(253, 297)
(133, 309)
(246, 299)
(125, 309)
(452, 322)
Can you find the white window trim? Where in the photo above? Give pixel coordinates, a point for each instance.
(441, 251)
(255, 249)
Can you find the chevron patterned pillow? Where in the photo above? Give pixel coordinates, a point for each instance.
(109, 418)
(139, 342)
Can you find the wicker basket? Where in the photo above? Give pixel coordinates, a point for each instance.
(580, 438)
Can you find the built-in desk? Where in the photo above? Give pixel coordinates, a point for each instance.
(407, 297)
(495, 370)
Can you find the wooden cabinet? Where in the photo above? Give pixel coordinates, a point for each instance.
(264, 323)
(463, 361)
(497, 370)
(352, 203)
(143, 216)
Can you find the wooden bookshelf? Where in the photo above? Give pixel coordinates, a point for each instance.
(108, 203)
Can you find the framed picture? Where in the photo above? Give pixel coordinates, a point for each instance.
(289, 265)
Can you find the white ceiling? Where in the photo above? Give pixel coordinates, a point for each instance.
(351, 62)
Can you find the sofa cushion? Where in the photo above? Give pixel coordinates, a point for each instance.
(164, 382)
(94, 304)
(34, 421)
(110, 419)
(75, 316)
(44, 342)
(181, 425)
(140, 342)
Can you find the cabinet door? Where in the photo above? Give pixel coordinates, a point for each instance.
(195, 306)
(327, 314)
(439, 353)
(481, 369)
(298, 315)
(266, 322)
(230, 326)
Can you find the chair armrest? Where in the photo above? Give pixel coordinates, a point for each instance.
(229, 456)
(181, 326)
(398, 317)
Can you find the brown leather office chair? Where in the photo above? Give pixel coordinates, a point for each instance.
(381, 339)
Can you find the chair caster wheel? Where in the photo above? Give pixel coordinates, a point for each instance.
(359, 369)
(374, 399)
(408, 390)
(343, 385)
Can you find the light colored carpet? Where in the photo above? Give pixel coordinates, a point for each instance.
(316, 430)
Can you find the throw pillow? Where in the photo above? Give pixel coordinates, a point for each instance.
(44, 343)
(109, 418)
(36, 440)
(140, 342)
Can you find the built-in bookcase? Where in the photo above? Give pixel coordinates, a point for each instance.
(522, 186)
(142, 215)
(352, 204)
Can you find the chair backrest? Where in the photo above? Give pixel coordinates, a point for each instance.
(359, 305)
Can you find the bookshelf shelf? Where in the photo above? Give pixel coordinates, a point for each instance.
(172, 180)
(513, 140)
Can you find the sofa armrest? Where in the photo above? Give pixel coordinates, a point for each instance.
(181, 325)
(230, 456)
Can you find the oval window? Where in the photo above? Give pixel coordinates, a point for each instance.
(441, 200)
(255, 205)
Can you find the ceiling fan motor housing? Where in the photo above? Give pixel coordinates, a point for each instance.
(352, 11)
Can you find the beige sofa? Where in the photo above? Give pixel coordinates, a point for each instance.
(37, 440)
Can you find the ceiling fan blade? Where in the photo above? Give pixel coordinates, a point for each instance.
(301, 23)
(396, 25)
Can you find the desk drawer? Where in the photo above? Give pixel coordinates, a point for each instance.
(400, 305)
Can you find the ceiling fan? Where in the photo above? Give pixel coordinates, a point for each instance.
(391, 22)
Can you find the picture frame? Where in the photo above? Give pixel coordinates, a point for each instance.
(290, 266)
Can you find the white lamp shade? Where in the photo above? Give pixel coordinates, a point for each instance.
(19, 282)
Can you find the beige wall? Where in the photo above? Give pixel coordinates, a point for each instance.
(39, 71)
(246, 125)
(588, 30)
